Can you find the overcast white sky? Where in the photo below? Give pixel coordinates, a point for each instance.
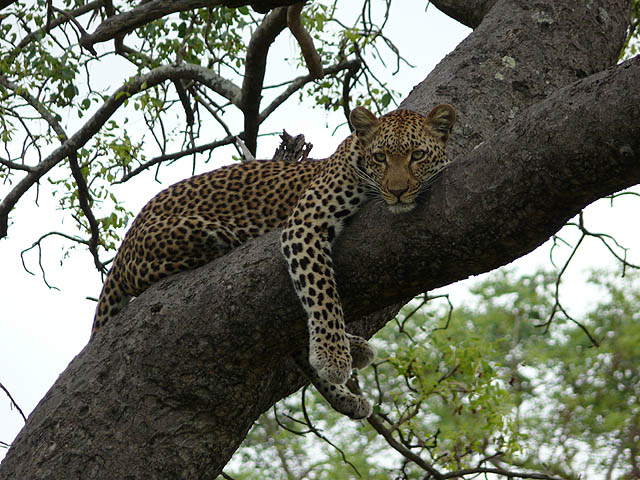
(41, 330)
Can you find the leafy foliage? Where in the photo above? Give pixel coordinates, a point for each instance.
(479, 385)
(632, 44)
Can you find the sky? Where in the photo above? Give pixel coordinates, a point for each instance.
(42, 329)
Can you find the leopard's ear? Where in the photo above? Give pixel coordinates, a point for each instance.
(364, 124)
(440, 121)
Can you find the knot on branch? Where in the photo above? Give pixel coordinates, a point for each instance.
(292, 149)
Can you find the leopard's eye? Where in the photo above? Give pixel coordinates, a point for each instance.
(380, 157)
(418, 155)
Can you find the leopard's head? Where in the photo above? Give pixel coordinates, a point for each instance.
(402, 151)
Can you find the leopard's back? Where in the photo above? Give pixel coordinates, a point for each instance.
(199, 219)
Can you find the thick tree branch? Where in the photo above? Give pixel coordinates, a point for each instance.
(309, 52)
(123, 23)
(255, 66)
(519, 55)
(194, 352)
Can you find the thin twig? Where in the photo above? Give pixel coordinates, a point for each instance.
(85, 201)
(449, 313)
(288, 429)
(13, 402)
(375, 421)
(175, 156)
(317, 433)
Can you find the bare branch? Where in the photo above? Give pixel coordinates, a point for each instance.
(37, 105)
(379, 427)
(246, 155)
(66, 16)
(81, 31)
(13, 402)
(256, 62)
(317, 433)
(146, 12)
(605, 239)
(309, 52)
(15, 166)
(584, 233)
(85, 201)
(202, 98)
(346, 90)
(557, 306)
(184, 100)
(288, 429)
(38, 244)
(300, 82)
(174, 156)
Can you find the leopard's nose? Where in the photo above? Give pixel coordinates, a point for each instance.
(397, 192)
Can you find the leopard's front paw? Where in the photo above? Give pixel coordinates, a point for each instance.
(334, 367)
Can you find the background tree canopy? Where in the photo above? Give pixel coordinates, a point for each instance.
(480, 384)
(95, 95)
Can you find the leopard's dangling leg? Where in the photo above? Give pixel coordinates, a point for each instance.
(306, 245)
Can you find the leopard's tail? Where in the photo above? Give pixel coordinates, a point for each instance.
(113, 300)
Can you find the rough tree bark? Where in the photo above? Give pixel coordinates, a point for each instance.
(170, 388)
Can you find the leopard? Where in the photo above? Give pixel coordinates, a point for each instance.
(393, 158)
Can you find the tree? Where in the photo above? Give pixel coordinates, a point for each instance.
(543, 132)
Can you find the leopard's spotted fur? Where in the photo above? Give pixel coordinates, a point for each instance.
(203, 217)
